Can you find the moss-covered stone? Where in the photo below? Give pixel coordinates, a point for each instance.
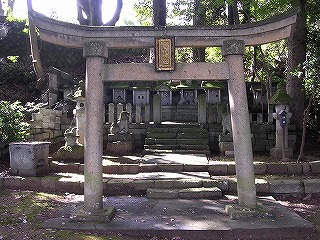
(281, 96)
(69, 154)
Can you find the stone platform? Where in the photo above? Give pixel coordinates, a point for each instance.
(190, 219)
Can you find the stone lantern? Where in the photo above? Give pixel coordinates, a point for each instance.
(282, 114)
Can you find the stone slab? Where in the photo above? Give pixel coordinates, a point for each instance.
(190, 219)
(311, 185)
(158, 193)
(286, 186)
(200, 193)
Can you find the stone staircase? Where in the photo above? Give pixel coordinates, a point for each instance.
(177, 138)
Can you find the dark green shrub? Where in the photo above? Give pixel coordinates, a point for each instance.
(13, 125)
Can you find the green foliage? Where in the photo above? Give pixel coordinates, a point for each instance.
(13, 126)
(16, 71)
(144, 12)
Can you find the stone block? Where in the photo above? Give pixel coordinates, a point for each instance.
(187, 183)
(306, 168)
(142, 185)
(163, 184)
(225, 138)
(46, 119)
(1, 182)
(48, 183)
(12, 182)
(218, 169)
(277, 168)
(119, 186)
(204, 193)
(231, 169)
(45, 111)
(49, 125)
(295, 168)
(45, 135)
(233, 188)
(30, 183)
(57, 126)
(225, 146)
(28, 155)
(129, 168)
(68, 168)
(111, 169)
(68, 186)
(162, 193)
(53, 119)
(262, 186)
(57, 133)
(221, 184)
(286, 186)
(148, 167)
(38, 137)
(195, 168)
(260, 169)
(37, 116)
(36, 124)
(311, 185)
(170, 168)
(315, 167)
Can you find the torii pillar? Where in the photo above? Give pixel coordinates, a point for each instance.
(233, 51)
(95, 53)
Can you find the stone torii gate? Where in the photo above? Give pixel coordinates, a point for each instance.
(95, 42)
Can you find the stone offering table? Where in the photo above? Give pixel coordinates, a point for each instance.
(29, 158)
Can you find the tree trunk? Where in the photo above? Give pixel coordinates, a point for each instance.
(95, 13)
(199, 20)
(296, 58)
(159, 12)
(116, 14)
(304, 129)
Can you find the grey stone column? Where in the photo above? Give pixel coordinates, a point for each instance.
(94, 52)
(233, 51)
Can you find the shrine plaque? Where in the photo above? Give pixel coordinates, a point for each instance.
(165, 54)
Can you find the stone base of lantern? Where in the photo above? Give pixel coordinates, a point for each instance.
(120, 143)
(277, 153)
(80, 215)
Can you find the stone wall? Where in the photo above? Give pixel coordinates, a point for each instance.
(48, 125)
(263, 137)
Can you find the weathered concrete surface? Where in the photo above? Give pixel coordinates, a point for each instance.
(191, 219)
(286, 186)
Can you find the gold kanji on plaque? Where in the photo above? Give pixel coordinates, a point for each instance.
(165, 54)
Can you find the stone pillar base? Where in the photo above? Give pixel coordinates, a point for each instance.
(237, 212)
(120, 143)
(80, 215)
(226, 144)
(277, 153)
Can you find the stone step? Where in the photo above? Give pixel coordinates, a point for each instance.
(177, 147)
(148, 150)
(178, 130)
(193, 135)
(185, 193)
(193, 141)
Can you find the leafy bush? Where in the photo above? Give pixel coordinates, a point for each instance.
(13, 126)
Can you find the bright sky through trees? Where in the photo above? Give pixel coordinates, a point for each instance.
(66, 10)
